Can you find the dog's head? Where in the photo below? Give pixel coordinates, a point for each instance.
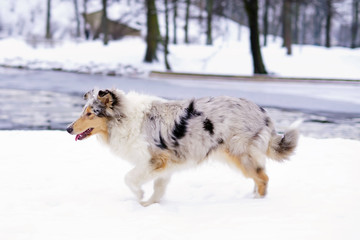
(102, 106)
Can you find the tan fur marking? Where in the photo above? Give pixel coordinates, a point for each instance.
(261, 181)
(160, 161)
(236, 161)
(91, 121)
(258, 175)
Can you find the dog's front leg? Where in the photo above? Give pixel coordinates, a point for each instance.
(135, 179)
(159, 191)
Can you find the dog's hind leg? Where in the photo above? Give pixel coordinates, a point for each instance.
(159, 190)
(261, 181)
(251, 169)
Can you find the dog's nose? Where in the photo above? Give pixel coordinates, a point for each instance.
(69, 129)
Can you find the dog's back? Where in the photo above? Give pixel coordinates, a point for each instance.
(192, 129)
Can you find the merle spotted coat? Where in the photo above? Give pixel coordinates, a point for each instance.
(160, 137)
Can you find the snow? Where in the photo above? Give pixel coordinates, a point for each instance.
(55, 188)
(230, 53)
(52, 187)
(125, 57)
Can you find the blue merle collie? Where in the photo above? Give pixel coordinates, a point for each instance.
(160, 136)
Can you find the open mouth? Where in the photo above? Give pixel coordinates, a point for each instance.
(84, 134)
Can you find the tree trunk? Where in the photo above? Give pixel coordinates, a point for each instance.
(152, 32)
(295, 32)
(209, 10)
(355, 23)
(77, 18)
(186, 27)
(104, 22)
(251, 7)
(287, 26)
(86, 26)
(167, 65)
(48, 16)
(174, 21)
(266, 21)
(329, 13)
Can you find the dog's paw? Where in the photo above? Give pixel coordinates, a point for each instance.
(147, 203)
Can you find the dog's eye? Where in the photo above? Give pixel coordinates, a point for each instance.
(88, 114)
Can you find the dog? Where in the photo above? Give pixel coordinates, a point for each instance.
(162, 136)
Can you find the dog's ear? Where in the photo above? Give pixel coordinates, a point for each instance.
(88, 94)
(107, 98)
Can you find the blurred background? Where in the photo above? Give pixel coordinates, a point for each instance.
(297, 58)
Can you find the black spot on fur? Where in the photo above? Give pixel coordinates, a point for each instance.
(220, 141)
(267, 121)
(209, 126)
(180, 127)
(262, 109)
(103, 93)
(115, 100)
(161, 144)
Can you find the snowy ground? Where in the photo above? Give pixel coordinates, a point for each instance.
(55, 188)
(125, 57)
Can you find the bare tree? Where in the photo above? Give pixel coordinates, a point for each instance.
(166, 41)
(153, 31)
(209, 10)
(86, 28)
(186, 27)
(287, 26)
(329, 14)
(266, 21)
(251, 7)
(77, 18)
(104, 22)
(175, 2)
(355, 23)
(48, 16)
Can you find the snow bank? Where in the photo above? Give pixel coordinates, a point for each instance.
(52, 187)
(125, 57)
(120, 57)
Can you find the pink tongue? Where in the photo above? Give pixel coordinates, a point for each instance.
(77, 137)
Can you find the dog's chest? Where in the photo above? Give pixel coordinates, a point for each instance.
(132, 148)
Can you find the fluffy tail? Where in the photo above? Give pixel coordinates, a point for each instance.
(281, 147)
